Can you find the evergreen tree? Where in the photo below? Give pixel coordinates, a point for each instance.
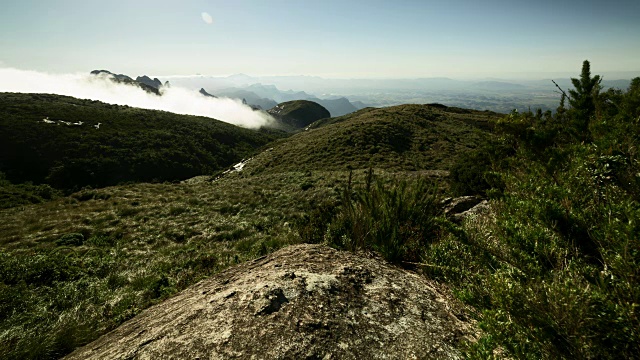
(583, 99)
(632, 100)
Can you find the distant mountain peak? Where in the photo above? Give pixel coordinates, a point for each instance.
(205, 93)
(145, 83)
(144, 79)
(240, 77)
(120, 77)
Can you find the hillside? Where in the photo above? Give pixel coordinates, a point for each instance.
(297, 114)
(547, 263)
(137, 244)
(71, 143)
(406, 137)
(337, 107)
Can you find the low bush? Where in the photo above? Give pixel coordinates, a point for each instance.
(554, 271)
(397, 220)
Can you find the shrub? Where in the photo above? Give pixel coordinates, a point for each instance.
(554, 270)
(397, 220)
(73, 239)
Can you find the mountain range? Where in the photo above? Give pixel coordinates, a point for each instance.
(494, 94)
(258, 96)
(268, 96)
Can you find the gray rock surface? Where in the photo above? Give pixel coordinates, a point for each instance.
(480, 208)
(458, 209)
(302, 302)
(460, 204)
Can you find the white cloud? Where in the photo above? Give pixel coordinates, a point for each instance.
(207, 18)
(174, 99)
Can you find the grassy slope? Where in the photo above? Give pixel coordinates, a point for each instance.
(130, 145)
(553, 268)
(139, 243)
(399, 138)
(76, 267)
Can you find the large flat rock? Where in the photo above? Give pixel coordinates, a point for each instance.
(302, 302)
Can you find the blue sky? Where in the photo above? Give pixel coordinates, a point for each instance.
(329, 38)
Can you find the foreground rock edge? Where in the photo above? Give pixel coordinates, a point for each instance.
(304, 301)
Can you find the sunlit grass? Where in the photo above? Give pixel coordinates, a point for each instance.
(132, 246)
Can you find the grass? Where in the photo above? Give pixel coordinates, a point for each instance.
(399, 138)
(551, 271)
(397, 219)
(74, 267)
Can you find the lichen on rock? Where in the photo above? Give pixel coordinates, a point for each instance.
(304, 301)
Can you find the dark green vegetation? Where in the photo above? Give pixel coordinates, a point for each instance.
(297, 114)
(75, 267)
(397, 221)
(398, 138)
(130, 145)
(26, 193)
(552, 270)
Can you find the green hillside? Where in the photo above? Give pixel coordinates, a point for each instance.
(136, 244)
(129, 145)
(405, 137)
(297, 114)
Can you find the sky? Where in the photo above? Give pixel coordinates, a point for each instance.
(328, 38)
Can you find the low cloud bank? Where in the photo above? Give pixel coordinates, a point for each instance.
(174, 99)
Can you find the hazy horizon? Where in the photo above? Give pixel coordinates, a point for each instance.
(532, 76)
(460, 39)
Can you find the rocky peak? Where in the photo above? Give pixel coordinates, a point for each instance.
(144, 82)
(205, 93)
(147, 81)
(119, 77)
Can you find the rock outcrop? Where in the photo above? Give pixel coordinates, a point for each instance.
(205, 93)
(457, 209)
(155, 83)
(302, 302)
(120, 77)
(145, 83)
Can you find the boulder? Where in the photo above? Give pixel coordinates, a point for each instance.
(460, 204)
(481, 208)
(302, 302)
